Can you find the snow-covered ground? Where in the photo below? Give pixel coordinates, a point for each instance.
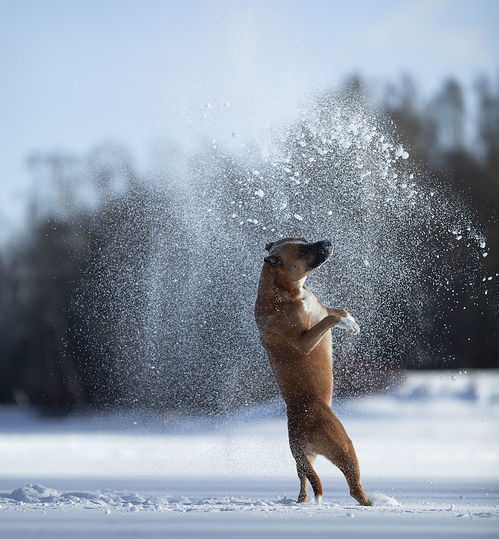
(429, 454)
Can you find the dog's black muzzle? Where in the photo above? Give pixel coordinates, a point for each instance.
(319, 251)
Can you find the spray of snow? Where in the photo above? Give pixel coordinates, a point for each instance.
(339, 173)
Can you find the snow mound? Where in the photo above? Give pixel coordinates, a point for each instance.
(38, 494)
(377, 498)
(33, 493)
(481, 386)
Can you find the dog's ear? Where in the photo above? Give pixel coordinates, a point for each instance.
(269, 246)
(272, 260)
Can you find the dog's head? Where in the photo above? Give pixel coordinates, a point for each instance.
(296, 257)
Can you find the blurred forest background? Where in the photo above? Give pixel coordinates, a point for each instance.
(57, 316)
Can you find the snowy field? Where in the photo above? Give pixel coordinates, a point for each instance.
(429, 455)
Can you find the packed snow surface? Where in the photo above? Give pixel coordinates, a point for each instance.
(429, 455)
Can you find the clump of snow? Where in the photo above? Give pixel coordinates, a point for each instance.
(377, 498)
(259, 193)
(298, 217)
(400, 152)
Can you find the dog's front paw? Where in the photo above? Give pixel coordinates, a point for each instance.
(349, 324)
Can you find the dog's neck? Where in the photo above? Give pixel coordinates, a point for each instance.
(272, 278)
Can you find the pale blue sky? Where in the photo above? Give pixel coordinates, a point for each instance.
(78, 72)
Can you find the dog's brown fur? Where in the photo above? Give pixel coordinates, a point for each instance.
(295, 331)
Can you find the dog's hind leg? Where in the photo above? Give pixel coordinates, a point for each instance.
(349, 465)
(306, 471)
(346, 461)
(338, 448)
(303, 496)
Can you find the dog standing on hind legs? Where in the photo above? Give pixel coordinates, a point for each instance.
(295, 331)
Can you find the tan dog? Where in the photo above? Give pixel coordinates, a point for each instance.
(295, 331)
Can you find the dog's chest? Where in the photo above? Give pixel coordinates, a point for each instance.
(311, 306)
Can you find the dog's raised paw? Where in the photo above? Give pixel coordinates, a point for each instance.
(349, 324)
